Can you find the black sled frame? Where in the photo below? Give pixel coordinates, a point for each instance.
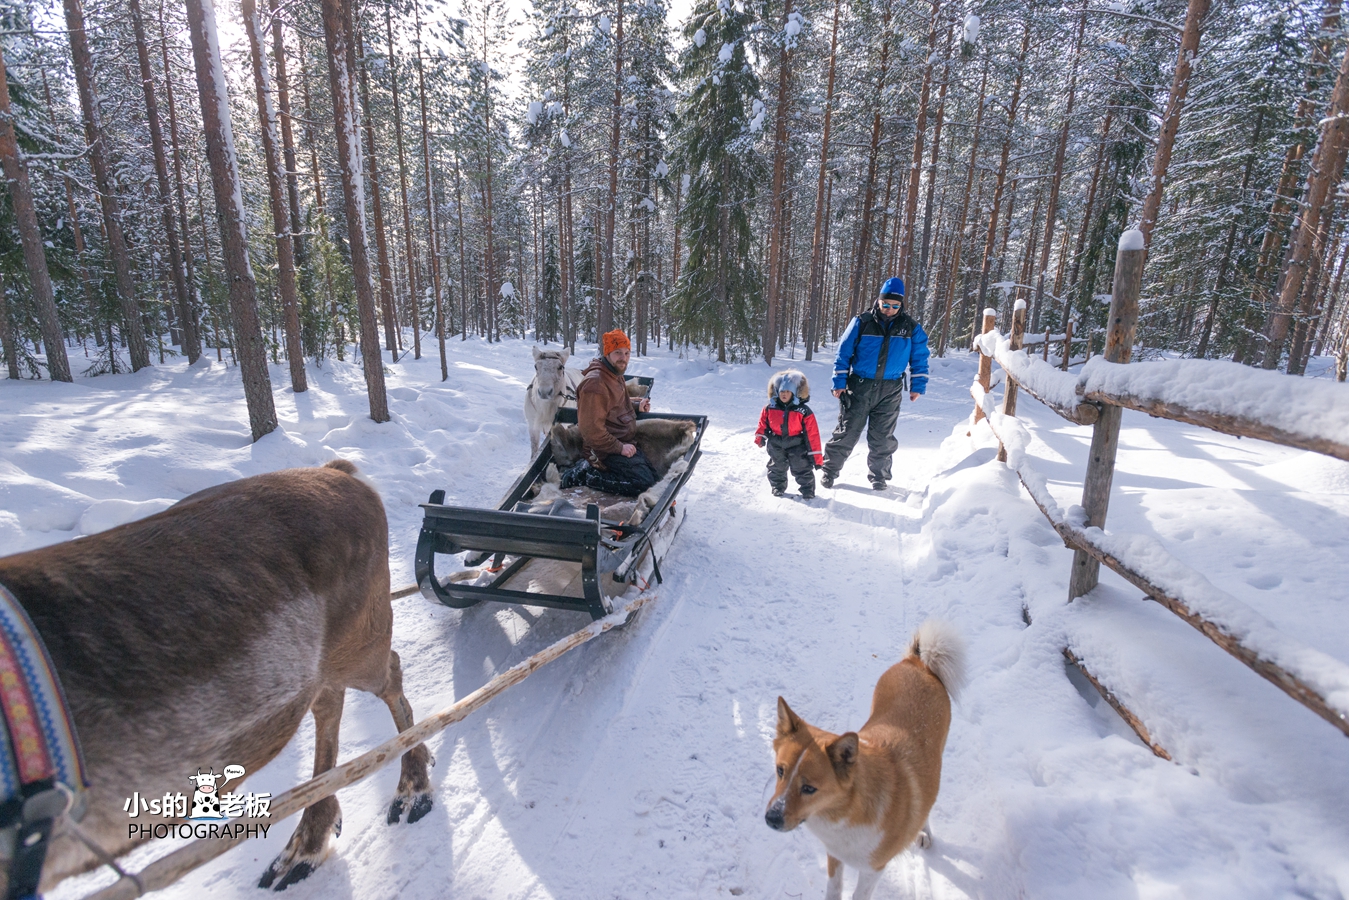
(606, 551)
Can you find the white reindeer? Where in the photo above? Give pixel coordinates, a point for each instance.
(554, 386)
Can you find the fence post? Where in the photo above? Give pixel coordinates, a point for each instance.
(985, 361)
(1009, 386)
(1119, 344)
(1067, 344)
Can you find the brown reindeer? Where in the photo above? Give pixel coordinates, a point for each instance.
(202, 635)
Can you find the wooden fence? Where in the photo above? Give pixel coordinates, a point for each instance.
(1314, 679)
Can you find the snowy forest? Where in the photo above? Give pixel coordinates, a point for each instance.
(378, 178)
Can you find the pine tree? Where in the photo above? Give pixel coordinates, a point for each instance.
(720, 294)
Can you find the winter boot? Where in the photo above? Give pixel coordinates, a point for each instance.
(826, 480)
(778, 492)
(808, 493)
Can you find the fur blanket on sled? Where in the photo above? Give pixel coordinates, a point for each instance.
(664, 441)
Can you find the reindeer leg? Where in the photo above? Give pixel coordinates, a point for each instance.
(310, 843)
(414, 786)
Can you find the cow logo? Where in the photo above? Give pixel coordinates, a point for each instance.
(206, 798)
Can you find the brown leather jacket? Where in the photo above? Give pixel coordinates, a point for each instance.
(606, 415)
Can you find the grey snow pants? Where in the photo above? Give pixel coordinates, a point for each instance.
(790, 454)
(873, 405)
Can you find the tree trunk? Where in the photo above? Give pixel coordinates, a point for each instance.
(869, 185)
(1313, 291)
(775, 203)
(916, 168)
(489, 263)
(403, 186)
(1327, 164)
(181, 297)
(954, 269)
(34, 254)
(192, 337)
(377, 204)
(1228, 245)
(463, 260)
(215, 114)
(431, 250)
(98, 161)
(7, 342)
(1001, 180)
(1051, 216)
(285, 255)
(1328, 313)
(818, 247)
(287, 136)
(605, 306)
(337, 33)
(1180, 86)
(920, 279)
(1271, 245)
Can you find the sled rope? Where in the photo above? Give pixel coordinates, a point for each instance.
(168, 869)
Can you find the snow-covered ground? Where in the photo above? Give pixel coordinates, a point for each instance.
(639, 765)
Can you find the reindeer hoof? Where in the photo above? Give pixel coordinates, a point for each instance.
(298, 871)
(420, 805)
(924, 838)
(294, 864)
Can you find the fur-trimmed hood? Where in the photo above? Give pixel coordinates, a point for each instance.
(792, 380)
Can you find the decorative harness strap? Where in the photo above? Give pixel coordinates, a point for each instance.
(41, 770)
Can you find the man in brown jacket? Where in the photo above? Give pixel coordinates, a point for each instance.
(607, 417)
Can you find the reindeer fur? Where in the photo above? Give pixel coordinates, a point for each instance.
(202, 636)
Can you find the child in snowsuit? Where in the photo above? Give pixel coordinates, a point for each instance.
(788, 427)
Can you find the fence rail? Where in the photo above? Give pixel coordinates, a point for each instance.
(1300, 414)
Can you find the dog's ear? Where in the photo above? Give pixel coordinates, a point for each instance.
(787, 720)
(843, 753)
(537, 354)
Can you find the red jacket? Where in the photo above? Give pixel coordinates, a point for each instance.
(790, 421)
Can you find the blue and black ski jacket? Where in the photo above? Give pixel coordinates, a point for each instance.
(893, 345)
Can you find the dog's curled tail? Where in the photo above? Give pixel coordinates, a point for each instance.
(341, 465)
(942, 650)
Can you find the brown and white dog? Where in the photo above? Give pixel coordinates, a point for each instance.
(867, 794)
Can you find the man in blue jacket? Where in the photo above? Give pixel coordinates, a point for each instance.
(877, 348)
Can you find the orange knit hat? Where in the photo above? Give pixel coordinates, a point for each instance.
(614, 340)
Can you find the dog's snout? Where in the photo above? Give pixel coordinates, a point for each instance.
(774, 818)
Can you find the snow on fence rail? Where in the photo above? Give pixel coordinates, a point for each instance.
(1220, 396)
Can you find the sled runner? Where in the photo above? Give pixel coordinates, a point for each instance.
(565, 549)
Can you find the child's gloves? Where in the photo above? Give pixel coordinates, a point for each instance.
(758, 440)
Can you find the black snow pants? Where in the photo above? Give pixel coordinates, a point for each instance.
(873, 405)
(627, 476)
(790, 453)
